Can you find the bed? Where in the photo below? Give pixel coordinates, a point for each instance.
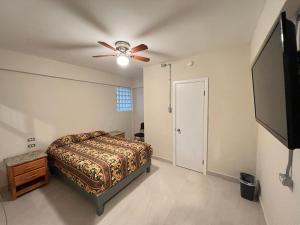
(98, 164)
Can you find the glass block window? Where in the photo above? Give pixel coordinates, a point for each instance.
(124, 99)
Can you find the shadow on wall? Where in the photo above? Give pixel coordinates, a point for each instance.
(21, 125)
(15, 128)
(14, 121)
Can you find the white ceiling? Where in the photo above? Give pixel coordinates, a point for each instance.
(68, 30)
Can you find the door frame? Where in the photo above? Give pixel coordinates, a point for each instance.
(205, 122)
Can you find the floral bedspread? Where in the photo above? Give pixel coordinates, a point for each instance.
(96, 161)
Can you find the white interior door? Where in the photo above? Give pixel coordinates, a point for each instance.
(189, 124)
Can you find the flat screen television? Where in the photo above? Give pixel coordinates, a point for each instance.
(276, 84)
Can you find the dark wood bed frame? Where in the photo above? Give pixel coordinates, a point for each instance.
(108, 194)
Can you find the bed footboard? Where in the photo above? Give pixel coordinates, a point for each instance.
(107, 195)
(104, 197)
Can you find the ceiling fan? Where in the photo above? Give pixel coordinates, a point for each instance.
(123, 52)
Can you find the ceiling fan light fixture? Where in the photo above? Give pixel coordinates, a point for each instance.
(122, 60)
(124, 53)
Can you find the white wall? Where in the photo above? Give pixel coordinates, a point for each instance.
(47, 108)
(281, 206)
(138, 104)
(270, 12)
(137, 82)
(232, 128)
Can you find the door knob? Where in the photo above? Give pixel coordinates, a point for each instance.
(178, 131)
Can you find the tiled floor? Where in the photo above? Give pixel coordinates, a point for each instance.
(167, 195)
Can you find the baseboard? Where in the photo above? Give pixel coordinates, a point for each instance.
(263, 210)
(212, 173)
(162, 159)
(223, 176)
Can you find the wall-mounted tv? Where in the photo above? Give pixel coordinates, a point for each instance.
(276, 84)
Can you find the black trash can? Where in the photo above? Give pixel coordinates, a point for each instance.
(247, 183)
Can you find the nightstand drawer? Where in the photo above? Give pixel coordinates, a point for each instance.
(26, 172)
(27, 167)
(29, 176)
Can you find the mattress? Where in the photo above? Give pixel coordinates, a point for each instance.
(96, 161)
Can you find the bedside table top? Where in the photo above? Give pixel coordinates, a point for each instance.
(27, 157)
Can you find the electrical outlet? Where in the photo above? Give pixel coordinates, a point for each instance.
(31, 139)
(31, 145)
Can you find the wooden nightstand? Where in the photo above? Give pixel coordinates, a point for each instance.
(26, 172)
(117, 133)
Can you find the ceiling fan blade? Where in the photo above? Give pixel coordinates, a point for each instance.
(97, 56)
(106, 45)
(139, 48)
(141, 58)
